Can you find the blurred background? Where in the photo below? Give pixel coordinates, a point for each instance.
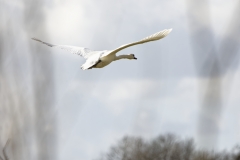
(186, 84)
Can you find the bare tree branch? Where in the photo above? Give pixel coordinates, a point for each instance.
(4, 150)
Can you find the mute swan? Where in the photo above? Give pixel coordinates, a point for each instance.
(99, 59)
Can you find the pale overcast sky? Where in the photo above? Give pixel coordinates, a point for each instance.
(159, 93)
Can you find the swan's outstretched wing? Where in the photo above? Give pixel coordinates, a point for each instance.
(154, 37)
(84, 52)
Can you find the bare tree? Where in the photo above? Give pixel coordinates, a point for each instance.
(164, 147)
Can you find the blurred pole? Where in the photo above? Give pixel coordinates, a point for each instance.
(26, 83)
(229, 46)
(43, 81)
(208, 68)
(14, 106)
(211, 66)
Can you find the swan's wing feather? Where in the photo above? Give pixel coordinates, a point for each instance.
(81, 51)
(153, 37)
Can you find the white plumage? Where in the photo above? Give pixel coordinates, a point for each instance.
(99, 59)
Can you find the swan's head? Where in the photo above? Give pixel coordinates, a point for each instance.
(132, 56)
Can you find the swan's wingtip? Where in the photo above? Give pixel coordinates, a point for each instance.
(170, 30)
(36, 39)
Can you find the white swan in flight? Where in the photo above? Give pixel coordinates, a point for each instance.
(99, 59)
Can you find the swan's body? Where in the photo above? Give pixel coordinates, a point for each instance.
(100, 59)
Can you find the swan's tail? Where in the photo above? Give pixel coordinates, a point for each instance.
(84, 67)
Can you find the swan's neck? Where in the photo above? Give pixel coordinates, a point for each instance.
(123, 57)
